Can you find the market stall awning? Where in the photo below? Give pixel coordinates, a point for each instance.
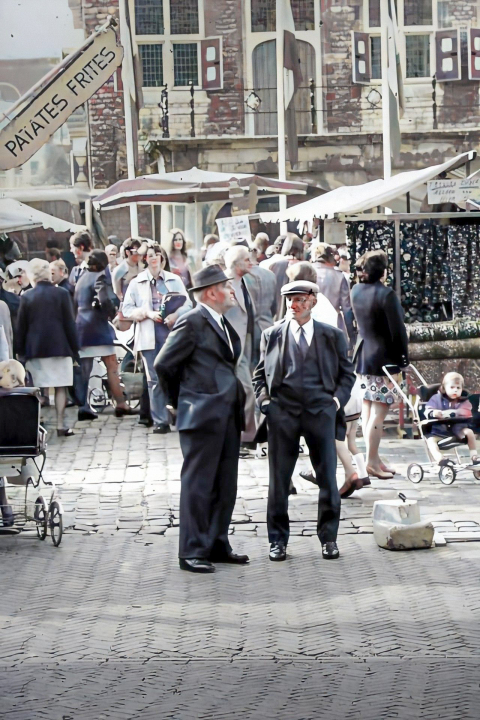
(191, 186)
(359, 198)
(15, 216)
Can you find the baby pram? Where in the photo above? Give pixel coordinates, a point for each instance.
(447, 472)
(22, 461)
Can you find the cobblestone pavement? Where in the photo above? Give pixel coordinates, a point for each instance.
(106, 626)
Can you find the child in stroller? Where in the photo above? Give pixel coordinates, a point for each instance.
(450, 403)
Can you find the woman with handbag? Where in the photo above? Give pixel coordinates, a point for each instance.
(94, 301)
(147, 293)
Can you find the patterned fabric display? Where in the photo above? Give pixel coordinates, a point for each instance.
(425, 272)
(372, 235)
(464, 241)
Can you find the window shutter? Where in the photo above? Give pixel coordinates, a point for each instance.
(474, 54)
(212, 66)
(361, 62)
(447, 47)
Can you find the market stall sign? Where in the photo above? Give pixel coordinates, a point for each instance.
(54, 104)
(234, 229)
(454, 191)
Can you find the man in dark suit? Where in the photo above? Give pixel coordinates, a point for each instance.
(196, 367)
(302, 383)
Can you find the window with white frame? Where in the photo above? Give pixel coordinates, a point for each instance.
(263, 15)
(169, 36)
(415, 19)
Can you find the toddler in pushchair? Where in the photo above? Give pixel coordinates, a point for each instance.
(446, 417)
(452, 407)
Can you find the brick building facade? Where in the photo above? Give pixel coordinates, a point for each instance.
(225, 51)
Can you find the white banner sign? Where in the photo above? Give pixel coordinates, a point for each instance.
(454, 191)
(72, 87)
(234, 229)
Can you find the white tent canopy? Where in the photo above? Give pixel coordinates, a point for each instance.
(15, 216)
(358, 198)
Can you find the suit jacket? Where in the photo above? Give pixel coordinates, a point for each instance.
(381, 329)
(196, 369)
(262, 286)
(238, 316)
(45, 323)
(335, 368)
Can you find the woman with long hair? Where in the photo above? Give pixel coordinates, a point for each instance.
(180, 262)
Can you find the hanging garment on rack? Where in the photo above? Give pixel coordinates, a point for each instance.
(464, 244)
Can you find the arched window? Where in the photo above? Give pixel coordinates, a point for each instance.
(265, 85)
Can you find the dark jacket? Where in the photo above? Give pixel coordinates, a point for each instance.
(197, 372)
(45, 323)
(335, 368)
(334, 286)
(93, 306)
(382, 337)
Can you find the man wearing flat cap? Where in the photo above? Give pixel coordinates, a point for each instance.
(302, 383)
(196, 367)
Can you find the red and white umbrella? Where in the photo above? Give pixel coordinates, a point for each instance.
(192, 186)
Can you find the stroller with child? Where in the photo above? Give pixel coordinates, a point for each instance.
(447, 469)
(22, 461)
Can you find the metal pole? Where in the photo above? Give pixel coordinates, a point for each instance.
(128, 79)
(398, 279)
(282, 172)
(387, 157)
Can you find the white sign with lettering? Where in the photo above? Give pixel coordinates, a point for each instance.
(455, 191)
(234, 229)
(54, 104)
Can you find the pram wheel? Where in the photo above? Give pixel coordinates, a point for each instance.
(476, 474)
(55, 521)
(447, 474)
(415, 473)
(41, 517)
(98, 399)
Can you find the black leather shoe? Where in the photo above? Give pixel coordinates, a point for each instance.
(122, 411)
(292, 490)
(161, 429)
(145, 421)
(330, 551)
(233, 558)
(196, 565)
(278, 552)
(310, 477)
(87, 415)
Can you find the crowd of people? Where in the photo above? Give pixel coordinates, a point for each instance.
(255, 341)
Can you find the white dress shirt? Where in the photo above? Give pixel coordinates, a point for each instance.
(218, 319)
(307, 328)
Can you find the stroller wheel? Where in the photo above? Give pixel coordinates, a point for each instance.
(447, 474)
(415, 473)
(98, 399)
(41, 517)
(55, 521)
(476, 474)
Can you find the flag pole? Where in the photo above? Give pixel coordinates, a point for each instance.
(282, 172)
(128, 83)
(387, 152)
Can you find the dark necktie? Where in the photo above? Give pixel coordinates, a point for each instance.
(227, 336)
(303, 344)
(248, 308)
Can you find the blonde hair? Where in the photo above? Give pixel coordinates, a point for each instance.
(39, 271)
(451, 377)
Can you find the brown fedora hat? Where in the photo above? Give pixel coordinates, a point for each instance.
(211, 275)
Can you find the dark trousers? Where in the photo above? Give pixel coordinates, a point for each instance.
(284, 432)
(208, 489)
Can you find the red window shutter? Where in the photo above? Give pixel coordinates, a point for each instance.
(361, 62)
(212, 66)
(447, 47)
(474, 54)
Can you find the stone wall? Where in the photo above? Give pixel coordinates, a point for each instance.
(225, 113)
(341, 98)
